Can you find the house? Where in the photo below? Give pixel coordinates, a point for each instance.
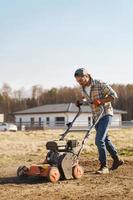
(1, 117)
(58, 115)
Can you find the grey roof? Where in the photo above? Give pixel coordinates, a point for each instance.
(120, 111)
(59, 108)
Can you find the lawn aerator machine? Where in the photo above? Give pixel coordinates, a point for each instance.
(62, 159)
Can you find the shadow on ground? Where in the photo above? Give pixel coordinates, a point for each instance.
(17, 180)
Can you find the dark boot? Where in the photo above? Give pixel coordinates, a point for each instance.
(116, 163)
(103, 170)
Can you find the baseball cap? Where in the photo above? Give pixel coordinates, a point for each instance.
(81, 72)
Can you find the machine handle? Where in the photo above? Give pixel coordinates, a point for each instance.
(89, 131)
(71, 123)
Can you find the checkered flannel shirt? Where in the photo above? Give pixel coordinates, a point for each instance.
(99, 90)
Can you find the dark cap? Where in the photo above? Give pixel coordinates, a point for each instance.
(81, 72)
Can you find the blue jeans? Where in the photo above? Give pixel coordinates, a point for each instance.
(102, 140)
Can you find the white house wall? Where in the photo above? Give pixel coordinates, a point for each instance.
(27, 118)
(116, 120)
(52, 117)
(82, 120)
(1, 117)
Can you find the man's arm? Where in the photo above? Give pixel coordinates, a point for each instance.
(109, 95)
(107, 99)
(108, 91)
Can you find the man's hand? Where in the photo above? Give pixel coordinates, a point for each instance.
(97, 102)
(78, 103)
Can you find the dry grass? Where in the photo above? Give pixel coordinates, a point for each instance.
(24, 146)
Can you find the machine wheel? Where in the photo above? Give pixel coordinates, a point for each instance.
(54, 174)
(22, 172)
(77, 171)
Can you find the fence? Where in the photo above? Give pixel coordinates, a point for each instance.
(127, 124)
(77, 125)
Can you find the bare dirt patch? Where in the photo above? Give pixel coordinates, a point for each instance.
(29, 147)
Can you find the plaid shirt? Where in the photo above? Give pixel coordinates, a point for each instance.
(99, 90)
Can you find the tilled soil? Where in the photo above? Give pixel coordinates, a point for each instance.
(115, 185)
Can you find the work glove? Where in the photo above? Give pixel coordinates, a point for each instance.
(97, 102)
(79, 103)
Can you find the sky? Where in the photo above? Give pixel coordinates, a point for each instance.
(43, 42)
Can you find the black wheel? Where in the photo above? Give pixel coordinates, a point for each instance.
(22, 172)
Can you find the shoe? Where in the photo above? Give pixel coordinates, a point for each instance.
(116, 164)
(103, 170)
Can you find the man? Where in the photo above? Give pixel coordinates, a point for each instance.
(100, 95)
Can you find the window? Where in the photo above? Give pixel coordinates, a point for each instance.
(40, 121)
(47, 120)
(3, 124)
(59, 121)
(20, 120)
(32, 120)
(89, 121)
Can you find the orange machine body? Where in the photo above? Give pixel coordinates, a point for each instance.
(39, 170)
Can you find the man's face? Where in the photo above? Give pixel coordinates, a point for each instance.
(83, 80)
